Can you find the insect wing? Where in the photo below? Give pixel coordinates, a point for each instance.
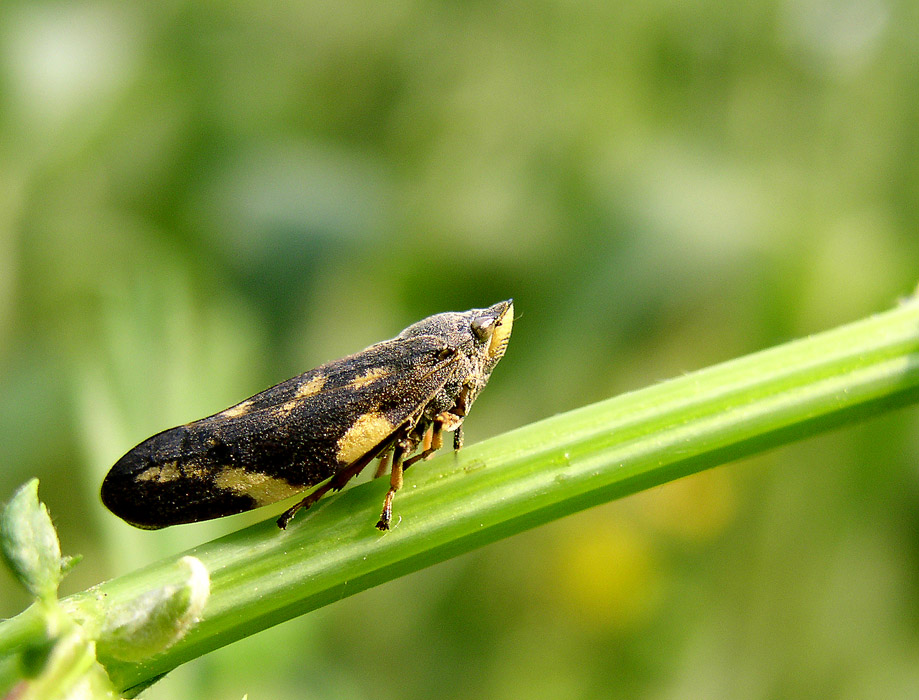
(280, 441)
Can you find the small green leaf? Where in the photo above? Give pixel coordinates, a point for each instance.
(156, 620)
(69, 562)
(70, 670)
(30, 544)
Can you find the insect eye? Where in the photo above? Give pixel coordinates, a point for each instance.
(483, 328)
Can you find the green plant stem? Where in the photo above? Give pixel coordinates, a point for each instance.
(454, 503)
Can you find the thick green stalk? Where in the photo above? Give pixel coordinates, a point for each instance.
(261, 576)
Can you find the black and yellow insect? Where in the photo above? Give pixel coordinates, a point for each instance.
(323, 426)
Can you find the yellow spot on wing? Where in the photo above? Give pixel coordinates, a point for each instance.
(263, 489)
(366, 433)
(171, 471)
(313, 386)
(239, 409)
(194, 470)
(368, 377)
(168, 471)
(284, 409)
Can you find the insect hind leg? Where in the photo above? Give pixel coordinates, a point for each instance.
(314, 496)
(336, 483)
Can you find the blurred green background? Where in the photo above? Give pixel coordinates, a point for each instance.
(200, 199)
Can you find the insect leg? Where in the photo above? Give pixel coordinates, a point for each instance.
(437, 436)
(383, 466)
(314, 496)
(395, 483)
(436, 442)
(428, 438)
(461, 408)
(336, 483)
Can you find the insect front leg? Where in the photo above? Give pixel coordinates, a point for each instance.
(461, 408)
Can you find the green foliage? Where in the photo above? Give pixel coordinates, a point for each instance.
(249, 580)
(30, 545)
(52, 657)
(199, 200)
(46, 652)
